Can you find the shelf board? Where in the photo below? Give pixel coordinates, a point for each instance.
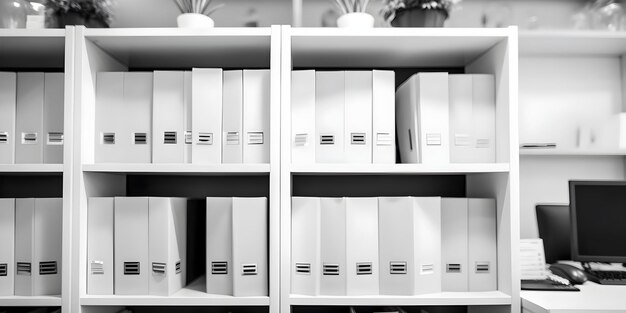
(180, 169)
(398, 169)
(572, 43)
(192, 295)
(572, 152)
(167, 48)
(391, 47)
(31, 168)
(32, 48)
(443, 298)
(20, 301)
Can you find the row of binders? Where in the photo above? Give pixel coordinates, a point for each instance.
(392, 245)
(138, 246)
(342, 117)
(31, 118)
(202, 116)
(30, 251)
(447, 118)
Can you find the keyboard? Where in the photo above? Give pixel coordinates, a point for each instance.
(607, 277)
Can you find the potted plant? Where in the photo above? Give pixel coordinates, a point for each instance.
(417, 13)
(195, 13)
(353, 14)
(91, 13)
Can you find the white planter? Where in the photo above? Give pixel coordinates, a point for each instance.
(356, 20)
(194, 20)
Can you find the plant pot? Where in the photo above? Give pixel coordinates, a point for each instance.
(356, 20)
(194, 20)
(73, 18)
(419, 18)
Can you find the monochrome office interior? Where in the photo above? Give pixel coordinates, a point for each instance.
(312, 156)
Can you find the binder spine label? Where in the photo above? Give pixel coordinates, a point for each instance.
(397, 268)
(169, 138)
(255, 138)
(131, 268)
(482, 268)
(159, 269)
(357, 139)
(248, 269)
(303, 268)
(55, 138)
(330, 269)
(108, 138)
(301, 140)
(48, 268)
(23, 268)
(188, 137)
(205, 138)
(232, 138)
(364, 268)
(427, 269)
(219, 268)
(327, 139)
(453, 268)
(179, 268)
(384, 139)
(140, 138)
(4, 269)
(97, 268)
(433, 139)
(29, 138)
(4, 137)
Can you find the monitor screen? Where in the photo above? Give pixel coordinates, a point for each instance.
(598, 219)
(554, 229)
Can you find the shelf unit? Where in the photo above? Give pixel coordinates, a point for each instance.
(568, 80)
(408, 51)
(170, 49)
(44, 50)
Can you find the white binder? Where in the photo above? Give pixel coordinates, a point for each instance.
(396, 248)
(24, 247)
(305, 245)
(250, 255)
(206, 103)
(29, 118)
(333, 247)
(168, 245)
(131, 248)
(136, 121)
(232, 117)
(53, 108)
(100, 245)
(7, 246)
(109, 109)
(462, 139)
(422, 119)
(8, 90)
(47, 246)
(358, 117)
(384, 117)
(188, 137)
(362, 246)
(484, 118)
(427, 244)
(168, 117)
(256, 116)
(454, 249)
(329, 117)
(482, 245)
(219, 246)
(303, 117)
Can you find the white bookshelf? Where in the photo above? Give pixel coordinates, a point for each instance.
(475, 51)
(149, 49)
(34, 301)
(42, 50)
(568, 80)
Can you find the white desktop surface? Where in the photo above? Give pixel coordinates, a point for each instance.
(592, 298)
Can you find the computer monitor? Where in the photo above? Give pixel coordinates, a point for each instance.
(554, 229)
(598, 220)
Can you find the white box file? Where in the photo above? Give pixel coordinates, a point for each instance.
(333, 247)
(250, 247)
(383, 117)
(8, 96)
(305, 245)
(29, 118)
(454, 248)
(47, 246)
(53, 108)
(329, 117)
(206, 102)
(256, 116)
(135, 141)
(168, 117)
(303, 139)
(219, 245)
(358, 117)
(100, 216)
(362, 269)
(482, 245)
(232, 117)
(7, 247)
(132, 246)
(188, 137)
(24, 247)
(109, 107)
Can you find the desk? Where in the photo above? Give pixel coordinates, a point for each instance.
(592, 298)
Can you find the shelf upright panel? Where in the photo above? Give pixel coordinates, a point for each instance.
(149, 49)
(411, 49)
